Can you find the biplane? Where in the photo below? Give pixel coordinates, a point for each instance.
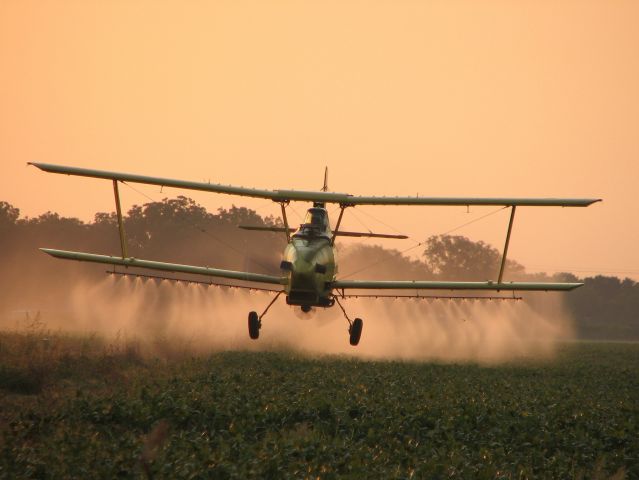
(309, 272)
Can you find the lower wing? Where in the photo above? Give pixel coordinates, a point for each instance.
(430, 285)
(167, 267)
(338, 284)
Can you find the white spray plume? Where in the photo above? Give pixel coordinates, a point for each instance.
(198, 319)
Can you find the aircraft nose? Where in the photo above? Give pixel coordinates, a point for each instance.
(302, 266)
(303, 274)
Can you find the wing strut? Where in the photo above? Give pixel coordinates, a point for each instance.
(271, 304)
(510, 229)
(118, 209)
(339, 221)
(286, 230)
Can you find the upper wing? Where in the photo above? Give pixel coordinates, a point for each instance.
(430, 285)
(167, 267)
(326, 197)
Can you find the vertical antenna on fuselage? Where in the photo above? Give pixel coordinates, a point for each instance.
(324, 189)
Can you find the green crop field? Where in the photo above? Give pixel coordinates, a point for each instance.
(83, 408)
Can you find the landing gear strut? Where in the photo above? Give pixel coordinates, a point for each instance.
(255, 321)
(354, 327)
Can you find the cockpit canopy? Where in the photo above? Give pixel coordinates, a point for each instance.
(315, 224)
(316, 217)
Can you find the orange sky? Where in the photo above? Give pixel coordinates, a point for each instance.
(491, 98)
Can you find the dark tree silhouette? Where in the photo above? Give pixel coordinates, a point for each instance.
(377, 263)
(459, 258)
(605, 307)
(8, 214)
(180, 230)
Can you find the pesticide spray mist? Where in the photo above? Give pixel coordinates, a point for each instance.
(197, 319)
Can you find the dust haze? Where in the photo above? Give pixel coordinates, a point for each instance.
(196, 319)
(165, 317)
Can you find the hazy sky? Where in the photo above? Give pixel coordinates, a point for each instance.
(450, 98)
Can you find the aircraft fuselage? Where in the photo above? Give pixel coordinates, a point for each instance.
(309, 262)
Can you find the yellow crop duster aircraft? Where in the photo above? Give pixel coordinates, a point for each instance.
(309, 271)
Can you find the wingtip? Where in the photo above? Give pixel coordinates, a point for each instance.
(50, 251)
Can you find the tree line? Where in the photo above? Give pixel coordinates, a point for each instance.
(179, 230)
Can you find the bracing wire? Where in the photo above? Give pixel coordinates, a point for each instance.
(300, 217)
(202, 230)
(360, 221)
(379, 221)
(419, 244)
(475, 220)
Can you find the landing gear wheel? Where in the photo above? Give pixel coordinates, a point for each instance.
(355, 331)
(254, 325)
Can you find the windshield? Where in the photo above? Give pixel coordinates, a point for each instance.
(315, 224)
(316, 217)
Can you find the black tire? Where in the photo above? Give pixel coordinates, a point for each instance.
(356, 331)
(254, 325)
